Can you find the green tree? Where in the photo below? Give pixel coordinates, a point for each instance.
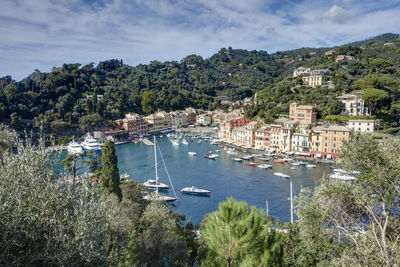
(237, 234)
(373, 96)
(357, 223)
(109, 177)
(71, 164)
(148, 102)
(87, 122)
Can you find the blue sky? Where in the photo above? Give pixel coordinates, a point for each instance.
(40, 34)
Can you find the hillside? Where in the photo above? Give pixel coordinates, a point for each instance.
(64, 98)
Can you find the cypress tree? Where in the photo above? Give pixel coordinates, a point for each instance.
(109, 178)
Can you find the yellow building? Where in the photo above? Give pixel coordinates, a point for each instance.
(326, 141)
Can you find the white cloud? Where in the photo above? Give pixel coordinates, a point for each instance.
(336, 14)
(43, 33)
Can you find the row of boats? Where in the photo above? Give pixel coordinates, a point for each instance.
(89, 144)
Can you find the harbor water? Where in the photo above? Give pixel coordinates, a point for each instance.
(222, 176)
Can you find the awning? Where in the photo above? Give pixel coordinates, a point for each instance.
(318, 155)
(272, 150)
(303, 154)
(328, 156)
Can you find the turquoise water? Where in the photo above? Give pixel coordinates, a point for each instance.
(223, 177)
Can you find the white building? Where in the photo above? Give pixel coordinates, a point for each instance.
(249, 131)
(301, 142)
(301, 71)
(354, 104)
(203, 119)
(364, 126)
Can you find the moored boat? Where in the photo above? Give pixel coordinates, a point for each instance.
(152, 184)
(209, 157)
(74, 148)
(282, 161)
(91, 144)
(264, 166)
(264, 159)
(280, 174)
(192, 190)
(341, 176)
(124, 176)
(251, 164)
(310, 166)
(237, 159)
(192, 153)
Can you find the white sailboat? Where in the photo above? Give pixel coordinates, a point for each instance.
(155, 195)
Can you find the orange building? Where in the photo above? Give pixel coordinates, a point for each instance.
(328, 140)
(304, 114)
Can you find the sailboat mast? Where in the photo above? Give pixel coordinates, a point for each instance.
(291, 201)
(155, 162)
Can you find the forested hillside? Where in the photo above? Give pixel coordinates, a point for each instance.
(66, 96)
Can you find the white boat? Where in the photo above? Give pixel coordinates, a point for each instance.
(296, 163)
(247, 157)
(310, 166)
(154, 184)
(192, 153)
(192, 190)
(264, 159)
(230, 152)
(341, 176)
(91, 144)
(280, 174)
(185, 142)
(264, 166)
(74, 148)
(217, 150)
(293, 168)
(237, 159)
(124, 176)
(215, 155)
(199, 142)
(175, 142)
(303, 162)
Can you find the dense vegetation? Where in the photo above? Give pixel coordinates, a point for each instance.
(66, 98)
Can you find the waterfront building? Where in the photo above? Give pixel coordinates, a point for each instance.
(203, 119)
(301, 142)
(364, 126)
(304, 114)
(275, 136)
(190, 115)
(262, 137)
(157, 122)
(249, 132)
(134, 124)
(354, 104)
(238, 136)
(287, 130)
(327, 140)
(178, 119)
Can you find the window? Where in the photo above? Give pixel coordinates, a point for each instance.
(334, 132)
(334, 138)
(326, 138)
(326, 144)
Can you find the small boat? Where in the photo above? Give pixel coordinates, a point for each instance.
(303, 162)
(341, 176)
(264, 159)
(217, 150)
(264, 166)
(280, 174)
(295, 163)
(282, 161)
(175, 142)
(251, 164)
(185, 142)
(215, 155)
(152, 184)
(247, 157)
(192, 153)
(293, 168)
(310, 166)
(124, 176)
(156, 197)
(209, 157)
(256, 155)
(199, 142)
(237, 159)
(192, 190)
(230, 152)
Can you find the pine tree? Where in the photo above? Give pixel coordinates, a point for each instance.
(237, 234)
(109, 178)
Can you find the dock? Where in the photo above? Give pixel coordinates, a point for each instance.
(147, 142)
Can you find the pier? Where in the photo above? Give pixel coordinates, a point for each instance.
(147, 142)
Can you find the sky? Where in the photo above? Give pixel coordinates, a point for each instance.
(40, 34)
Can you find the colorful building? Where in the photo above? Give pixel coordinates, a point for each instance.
(304, 114)
(328, 140)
